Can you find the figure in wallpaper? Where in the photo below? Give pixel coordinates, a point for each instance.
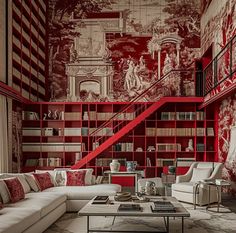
(167, 65)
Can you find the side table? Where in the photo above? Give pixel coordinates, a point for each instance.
(168, 180)
(136, 174)
(218, 187)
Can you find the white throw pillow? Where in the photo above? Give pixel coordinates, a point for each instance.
(200, 174)
(21, 178)
(52, 174)
(32, 182)
(4, 192)
(61, 179)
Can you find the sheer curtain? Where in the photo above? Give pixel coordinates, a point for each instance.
(3, 135)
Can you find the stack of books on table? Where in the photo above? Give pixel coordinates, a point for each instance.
(100, 200)
(163, 206)
(129, 207)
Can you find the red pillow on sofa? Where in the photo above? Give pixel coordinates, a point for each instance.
(16, 191)
(43, 180)
(75, 178)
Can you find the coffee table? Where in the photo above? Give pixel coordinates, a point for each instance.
(111, 209)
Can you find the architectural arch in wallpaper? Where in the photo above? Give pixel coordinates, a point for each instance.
(114, 39)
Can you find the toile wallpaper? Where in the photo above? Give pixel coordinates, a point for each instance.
(111, 50)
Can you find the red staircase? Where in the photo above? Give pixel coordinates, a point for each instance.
(159, 93)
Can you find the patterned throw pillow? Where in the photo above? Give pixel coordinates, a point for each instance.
(43, 180)
(75, 178)
(16, 191)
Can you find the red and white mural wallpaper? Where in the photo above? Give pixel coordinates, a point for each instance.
(219, 30)
(111, 50)
(227, 134)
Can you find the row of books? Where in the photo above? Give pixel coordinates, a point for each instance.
(44, 162)
(124, 146)
(53, 147)
(179, 132)
(168, 147)
(182, 115)
(160, 162)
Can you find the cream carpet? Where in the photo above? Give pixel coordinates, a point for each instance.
(201, 221)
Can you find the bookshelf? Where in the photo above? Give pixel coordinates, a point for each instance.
(28, 48)
(59, 134)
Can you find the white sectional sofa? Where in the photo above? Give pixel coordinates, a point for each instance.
(39, 210)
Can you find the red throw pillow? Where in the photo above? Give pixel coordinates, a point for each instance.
(43, 180)
(75, 178)
(16, 191)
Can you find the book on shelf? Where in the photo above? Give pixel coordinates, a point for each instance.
(129, 207)
(210, 132)
(162, 206)
(31, 162)
(100, 200)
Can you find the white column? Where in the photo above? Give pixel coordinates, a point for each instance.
(178, 49)
(159, 61)
(72, 88)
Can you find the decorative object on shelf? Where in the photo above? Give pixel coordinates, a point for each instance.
(85, 116)
(171, 169)
(115, 165)
(55, 115)
(190, 146)
(139, 149)
(49, 114)
(45, 116)
(150, 188)
(151, 148)
(62, 115)
(131, 165)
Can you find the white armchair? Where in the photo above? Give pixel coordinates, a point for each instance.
(183, 189)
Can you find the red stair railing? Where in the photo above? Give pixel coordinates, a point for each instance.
(176, 83)
(168, 85)
(222, 67)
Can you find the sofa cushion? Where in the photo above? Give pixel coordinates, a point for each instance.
(16, 191)
(186, 187)
(43, 201)
(32, 182)
(200, 174)
(21, 178)
(43, 180)
(4, 193)
(17, 219)
(61, 178)
(75, 178)
(52, 174)
(85, 192)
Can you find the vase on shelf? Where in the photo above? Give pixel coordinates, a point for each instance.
(115, 165)
(130, 166)
(171, 170)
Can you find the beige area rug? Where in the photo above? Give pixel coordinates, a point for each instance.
(201, 221)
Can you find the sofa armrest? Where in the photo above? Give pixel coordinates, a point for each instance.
(186, 177)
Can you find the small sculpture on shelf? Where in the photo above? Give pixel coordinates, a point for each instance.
(49, 114)
(150, 148)
(55, 115)
(190, 146)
